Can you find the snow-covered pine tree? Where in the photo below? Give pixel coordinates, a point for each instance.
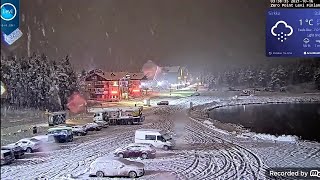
(67, 80)
(316, 78)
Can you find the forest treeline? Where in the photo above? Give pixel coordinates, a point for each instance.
(38, 82)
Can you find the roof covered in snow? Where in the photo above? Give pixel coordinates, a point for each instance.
(114, 76)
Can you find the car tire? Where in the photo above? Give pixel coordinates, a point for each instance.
(166, 147)
(132, 174)
(99, 174)
(29, 150)
(144, 156)
(120, 155)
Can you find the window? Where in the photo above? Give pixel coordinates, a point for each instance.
(160, 138)
(133, 148)
(150, 137)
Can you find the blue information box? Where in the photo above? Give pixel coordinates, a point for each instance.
(293, 33)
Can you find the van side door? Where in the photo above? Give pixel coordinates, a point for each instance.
(152, 139)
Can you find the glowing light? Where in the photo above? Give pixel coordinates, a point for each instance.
(136, 90)
(3, 88)
(76, 103)
(114, 92)
(115, 83)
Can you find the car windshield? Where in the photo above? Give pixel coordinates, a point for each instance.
(124, 161)
(34, 140)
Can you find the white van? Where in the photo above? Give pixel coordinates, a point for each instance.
(156, 137)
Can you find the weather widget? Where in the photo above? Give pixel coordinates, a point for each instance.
(293, 33)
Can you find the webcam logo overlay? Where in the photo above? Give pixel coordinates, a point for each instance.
(9, 15)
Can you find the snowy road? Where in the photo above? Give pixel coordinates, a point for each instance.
(201, 152)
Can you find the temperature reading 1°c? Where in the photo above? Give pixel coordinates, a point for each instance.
(307, 21)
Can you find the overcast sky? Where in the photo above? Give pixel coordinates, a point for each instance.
(124, 34)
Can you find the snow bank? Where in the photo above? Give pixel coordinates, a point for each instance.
(262, 100)
(282, 138)
(207, 122)
(211, 126)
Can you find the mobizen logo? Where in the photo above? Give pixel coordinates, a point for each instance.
(315, 173)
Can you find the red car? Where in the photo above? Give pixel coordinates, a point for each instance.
(145, 151)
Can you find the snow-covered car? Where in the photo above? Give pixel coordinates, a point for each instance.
(18, 151)
(7, 157)
(163, 103)
(79, 130)
(145, 151)
(29, 144)
(92, 127)
(115, 166)
(196, 94)
(102, 123)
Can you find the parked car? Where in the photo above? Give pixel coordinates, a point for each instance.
(18, 151)
(196, 94)
(61, 134)
(163, 103)
(79, 130)
(7, 157)
(29, 145)
(102, 123)
(136, 150)
(115, 166)
(156, 137)
(92, 127)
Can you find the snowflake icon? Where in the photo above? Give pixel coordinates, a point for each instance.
(281, 30)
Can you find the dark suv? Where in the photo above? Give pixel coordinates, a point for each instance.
(18, 151)
(7, 157)
(145, 151)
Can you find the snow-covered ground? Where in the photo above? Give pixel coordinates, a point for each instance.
(202, 151)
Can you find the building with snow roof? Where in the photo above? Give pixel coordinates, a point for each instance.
(113, 86)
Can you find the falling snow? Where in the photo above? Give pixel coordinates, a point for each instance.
(107, 34)
(22, 18)
(152, 31)
(29, 41)
(43, 31)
